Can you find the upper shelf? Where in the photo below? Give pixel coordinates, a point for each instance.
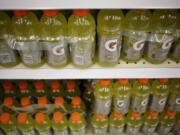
(88, 4)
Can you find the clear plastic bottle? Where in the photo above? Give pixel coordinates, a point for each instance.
(9, 105)
(40, 88)
(25, 89)
(9, 89)
(56, 89)
(61, 105)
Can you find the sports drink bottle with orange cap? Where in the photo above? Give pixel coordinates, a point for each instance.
(25, 124)
(110, 28)
(167, 121)
(150, 122)
(9, 88)
(103, 96)
(40, 88)
(81, 30)
(27, 105)
(42, 124)
(121, 95)
(140, 95)
(100, 124)
(43, 105)
(61, 105)
(116, 123)
(134, 122)
(25, 89)
(176, 127)
(9, 105)
(160, 89)
(53, 37)
(26, 30)
(56, 89)
(59, 124)
(77, 124)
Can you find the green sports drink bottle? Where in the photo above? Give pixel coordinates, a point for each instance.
(9, 105)
(25, 89)
(56, 89)
(40, 89)
(9, 89)
(61, 105)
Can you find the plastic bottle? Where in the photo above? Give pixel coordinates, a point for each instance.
(9, 89)
(176, 127)
(140, 95)
(9, 105)
(160, 93)
(100, 124)
(40, 89)
(167, 121)
(103, 96)
(25, 33)
(25, 124)
(116, 123)
(25, 89)
(27, 105)
(61, 105)
(121, 97)
(88, 94)
(137, 29)
(43, 105)
(77, 124)
(150, 122)
(163, 28)
(8, 56)
(53, 38)
(81, 28)
(134, 122)
(56, 89)
(59, 124)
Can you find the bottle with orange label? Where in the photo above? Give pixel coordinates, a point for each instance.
(25, 89)
(9, 88)
(56, 89)
(9, 105)
(40, 88)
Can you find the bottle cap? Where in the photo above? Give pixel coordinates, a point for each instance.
(22, 117)
(123, 81)
(8, 101)
(143, 81)
(117, 115)
(7, 85)
(59, 101)
(76, 101)
(71, 84)
(142, 9)
(58, 116)
(39, 85)
(100, 117)
(23, 85)
(5, 117)
(25, 101)
(81, 12)
(42, 101)
(135, 114)
(55, 85)
(50, 12)
(105, 82)
(21, 12)
(40, 117)
(75, 116)
(153, 114)
(163, 80)
(179, 79)
(170, 113)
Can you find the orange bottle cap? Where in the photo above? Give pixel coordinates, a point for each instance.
(39, 85)
(153, 114)
(40, 117)
(117, 115)
(7, 85)
(59, 101)
(5, 117)
(50, 12)
(25, 101)
(42, 101)
(71, 84)
(55, 85)
(179, 79)
(135, 114)
(81, 12)
(76, 101)
(123, 81)
(58, 116)
(100, 117)
(23, 85)
(21, 12)
(22, 117)
(143, 81)
(75, 116)
(8, 101)
(163, 80)
(170, 113)
(105, 82)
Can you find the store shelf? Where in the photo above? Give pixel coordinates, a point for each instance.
(90, 4)
(141, 69)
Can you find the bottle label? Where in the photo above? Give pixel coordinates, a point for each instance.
(176, 50)
(121, 106)
(32, 132)
(109, 49)
(164, 130)
(65, 132)
(116, 131)
(81, 132)
(158, 104)
(148, 130)
(48, 132)
(102, 107)
(101, 131)
(14, 132)
(174, 102)
(132, 130)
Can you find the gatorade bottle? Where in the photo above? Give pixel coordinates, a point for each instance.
(77, 124)
(27, 105)
(121, 97)
(43, 105)
(42, 124)
(53, 37)
(137, 30)
(88, 94)
(160, 93)
(56, 89)
(8, 124)
(61, 105)
(163, 27)
(9, 89)
(25, 90)
(40, 89)
(8, 56)
(150, 121)
(25, 124)
(81, 28)
(134, 123)
(100, 124)
(110, 27)
(9, 105)
(174, 97)
(103, 96)
(167, 121)
(176, 127)
(140, 95)
(116, 123)
(59, 124)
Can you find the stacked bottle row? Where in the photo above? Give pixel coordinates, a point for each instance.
(54, 40)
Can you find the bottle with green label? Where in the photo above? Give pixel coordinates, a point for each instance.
(160, 93)
(116, 123)
(40, 88)
(53, 38)
(140, 95)
(150, 122)
(43, 104)
(99, 124)
(77, 124)
(9, 89)
(26, 30)
(9, 105)
(81, 29)
(110, 27)
(61, 105)
(121, 96)
(27, 105)
(59, 124)
(134, 122)
(103, 96)
(163, 28)
(25, 89)
(167, 121)
(137, 30)
(176, 127)
(8, 56)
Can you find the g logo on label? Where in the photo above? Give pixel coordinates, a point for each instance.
(167, 44)
(58, 50)
(111, 45)
(144, 102)
(108, 103)
(120, 103)
(178, 101)
(162, 101)
(138, 45)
